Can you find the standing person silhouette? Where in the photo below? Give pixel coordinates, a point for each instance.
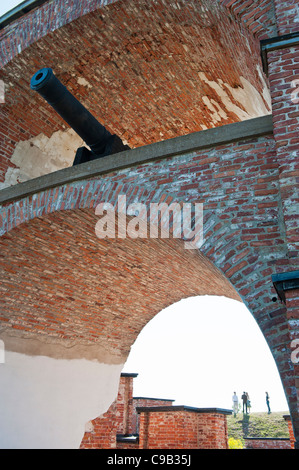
(268, 402)
(248, 403)
(235, 403)
(244, 398)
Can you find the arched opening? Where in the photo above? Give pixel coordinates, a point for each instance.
(73, 302)
(200, 350)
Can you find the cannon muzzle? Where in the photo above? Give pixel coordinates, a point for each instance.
(96, 136)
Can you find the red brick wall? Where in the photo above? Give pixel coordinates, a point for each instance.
(181, 428)
(283, 73)
(283, 67)
(103, 432)
(141, 402)
(291, 430)
(258, 16)
(287, 16)
(130, 87)
(20, 34)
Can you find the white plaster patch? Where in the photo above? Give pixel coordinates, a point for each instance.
(84, 82)
(216, 112)
(247, 96)
(42, 155)
(45, 403)
(266, 91)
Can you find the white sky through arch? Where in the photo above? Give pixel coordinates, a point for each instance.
(202, 349)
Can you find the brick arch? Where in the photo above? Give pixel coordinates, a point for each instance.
(227, 256)
(244, 235)
(70, 289)
(258, 16)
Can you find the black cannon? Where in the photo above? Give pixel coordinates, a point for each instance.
(96, 137)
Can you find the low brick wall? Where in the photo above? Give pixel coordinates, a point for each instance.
(182, 427)
(268, 443)
(140, 402)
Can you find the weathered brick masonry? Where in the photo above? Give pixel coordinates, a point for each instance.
(141, 71)
(152, 423)
(138, 66)
(180, 427)
(264, 443)
(244, 239)
(121, 420)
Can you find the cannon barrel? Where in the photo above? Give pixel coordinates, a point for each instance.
(100, 141)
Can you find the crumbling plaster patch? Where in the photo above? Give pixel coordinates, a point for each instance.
(42, 155)
(250, 103)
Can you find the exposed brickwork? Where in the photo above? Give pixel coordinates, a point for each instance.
(152, 78)
(86, 284)
(291, 430)
(18, 35)
(283, 72)
(103, 434)
(287, 14)
(182, 428)
(258, 16)
(268, 443)
(283, 75)
(160, 427)
(143, 402)
(117, 420)
(120, 419)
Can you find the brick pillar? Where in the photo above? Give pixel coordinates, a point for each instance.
(291, 432)
(292, 303)
(281, 61)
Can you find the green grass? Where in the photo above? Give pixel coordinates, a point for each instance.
(257, 425)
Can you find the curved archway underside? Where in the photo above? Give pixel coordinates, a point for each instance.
(67, 293)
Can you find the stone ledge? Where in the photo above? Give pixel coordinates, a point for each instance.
(222, 135)
(266, 438)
